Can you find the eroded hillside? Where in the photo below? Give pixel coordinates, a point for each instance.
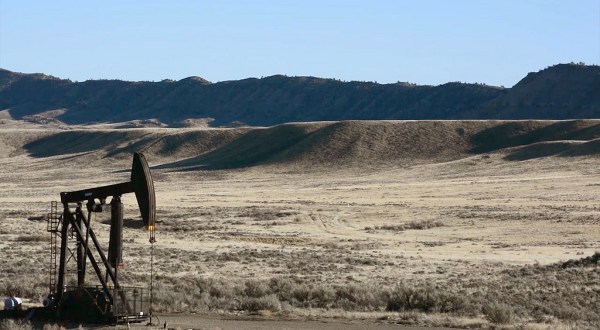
(312, 145)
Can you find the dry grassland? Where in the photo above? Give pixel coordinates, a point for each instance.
(467, 240)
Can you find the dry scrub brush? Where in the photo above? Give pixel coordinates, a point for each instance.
(413, 225)
(9, 324)
(566, 292)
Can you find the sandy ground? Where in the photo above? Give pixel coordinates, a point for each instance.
(491, 212)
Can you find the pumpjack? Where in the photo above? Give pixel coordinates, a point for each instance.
(107, 301)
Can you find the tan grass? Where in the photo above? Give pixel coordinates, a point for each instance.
(287, 237)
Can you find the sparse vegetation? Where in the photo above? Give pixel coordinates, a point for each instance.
(497, 298)
(33, 238)
(413, 225)
(499, 313)
(481, 241)
(9, 324)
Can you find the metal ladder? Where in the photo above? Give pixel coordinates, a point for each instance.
(54, 220)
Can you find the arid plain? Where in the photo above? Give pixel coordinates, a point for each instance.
(459, 224)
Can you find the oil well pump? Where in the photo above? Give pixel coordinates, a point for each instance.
(74, 242)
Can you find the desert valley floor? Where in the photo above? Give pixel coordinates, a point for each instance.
(470, 235)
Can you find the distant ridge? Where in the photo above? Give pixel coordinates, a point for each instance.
(564, 91)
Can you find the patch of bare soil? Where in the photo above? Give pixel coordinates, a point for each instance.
(232, 322)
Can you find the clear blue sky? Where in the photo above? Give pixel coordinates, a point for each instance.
(421, 41)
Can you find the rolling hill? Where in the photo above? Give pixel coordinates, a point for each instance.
(317, 145)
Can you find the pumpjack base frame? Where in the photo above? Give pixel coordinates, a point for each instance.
(89, 305)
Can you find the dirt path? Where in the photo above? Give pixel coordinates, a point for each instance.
(212, 322)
